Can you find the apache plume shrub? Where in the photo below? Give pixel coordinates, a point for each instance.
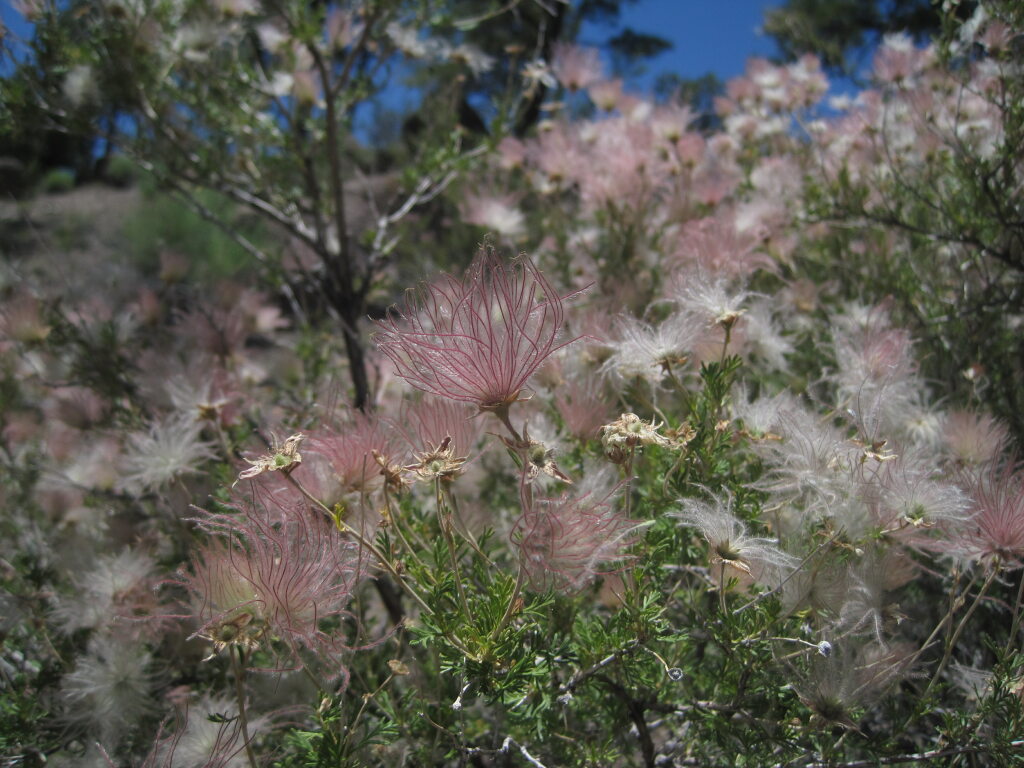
(795, 544)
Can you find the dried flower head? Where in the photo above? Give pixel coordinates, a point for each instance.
(538, 459)
(283, 457)
(438, 463)
(479, 339)
(628, 432)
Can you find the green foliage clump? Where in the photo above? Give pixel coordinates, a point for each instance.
(57, 181)
(163, 226)
(120, 172)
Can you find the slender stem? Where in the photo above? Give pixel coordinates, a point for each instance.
(501, 412)
(397, 527)
(629, 480)
(362, 541)
(721, 588)
(947, 618)
(1015, 624)
(951, 642)
(574, 682)
(380, 556)
(465, 532)
(507, 617)
(725, 344)
(355, 721)
(238, 669)
(444, 519)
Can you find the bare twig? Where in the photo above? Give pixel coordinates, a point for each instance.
(574, 682)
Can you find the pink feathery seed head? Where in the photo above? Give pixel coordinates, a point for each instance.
(851, 675)
(564, 541)
(974, 439)
(22, 319)
(496, 213)
(479, 339)
(169, 449)
(713, 182)
(670, 121)
(115, 596)
(913, 493)
(690, 148)
(820, 591)
(430, 420)
(216, 331)
(897, 59)
(715, 245)
(511, 153)
(882, 353)
(223, 600)
(606, 94)
(627, 177)
(557, 153)
(110, 689)
(742, 89)
(343, 460)
(995, 530)
(582, 404)
(651, 352)
(809, 84)
(210, 733)
(272, 572)
(712, 298)
(576, 67)
(867, 607)
(78, 407)
(206, 391)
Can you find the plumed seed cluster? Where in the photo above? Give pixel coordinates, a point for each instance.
(478, 339)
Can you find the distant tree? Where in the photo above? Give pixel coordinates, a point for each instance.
(843, 31)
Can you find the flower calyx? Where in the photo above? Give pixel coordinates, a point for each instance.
(437, 462)
(243, 630)
(283, 457)
(538, 459)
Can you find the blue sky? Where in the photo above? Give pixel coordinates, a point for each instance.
(709, 36)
